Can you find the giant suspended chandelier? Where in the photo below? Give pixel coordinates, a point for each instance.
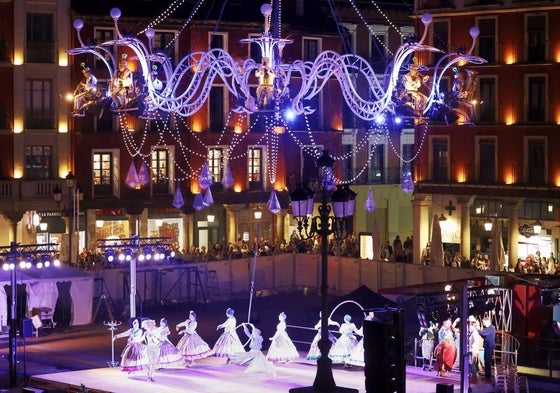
(185, 88)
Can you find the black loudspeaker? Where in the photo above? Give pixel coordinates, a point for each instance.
(26, 327)
(385, 368)
(444, 388)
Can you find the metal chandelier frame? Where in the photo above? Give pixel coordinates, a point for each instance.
(186, 87)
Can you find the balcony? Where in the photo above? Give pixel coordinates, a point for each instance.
(436, 4)
(40, 52)
(28, 190)
(475, 3)
(474, 174)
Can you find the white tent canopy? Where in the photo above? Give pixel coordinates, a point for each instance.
(42, 291)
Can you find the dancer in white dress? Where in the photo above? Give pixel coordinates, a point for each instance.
(341, 350)
(255, 358)
(169, 356)
(152, 347)
(282, 349)
(133, 356)
(228, 343)
(191, 345)
(314, 352)
(357, 355)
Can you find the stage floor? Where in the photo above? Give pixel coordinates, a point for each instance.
(213, 375)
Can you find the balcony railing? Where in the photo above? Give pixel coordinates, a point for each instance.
(522, 53)
(474, 174)
(435, 4)
(19, 189)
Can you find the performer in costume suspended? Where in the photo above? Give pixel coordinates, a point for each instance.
(133, 357)
(255, 358)
(228, 343)
(282, 349)
(169, 356)
(340, 351)
(191, 346)
(85, 93)
(152, 347)
(357, 355)
(314, 352)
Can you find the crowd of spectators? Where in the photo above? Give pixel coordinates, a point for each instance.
(398, 251)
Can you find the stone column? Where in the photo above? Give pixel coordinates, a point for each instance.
(231, 224)
(14, 217)
(420, 225)
(513, 230)
(465, 203)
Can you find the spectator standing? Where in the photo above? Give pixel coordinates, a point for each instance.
(488, 333)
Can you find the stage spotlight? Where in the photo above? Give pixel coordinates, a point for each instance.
(22, 264)
(141, 257)
(39, 265)
(6, 266)
(380, 119)
(110, 255)
(397, 120)
(56, 262)
(47, 263)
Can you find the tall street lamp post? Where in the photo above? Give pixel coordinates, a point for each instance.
(323, 225)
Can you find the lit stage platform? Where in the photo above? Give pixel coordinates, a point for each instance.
(214, 376)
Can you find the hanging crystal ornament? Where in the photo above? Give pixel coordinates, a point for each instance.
(208, 198)
(205, 180)
(178, 200)
(227, 179)
(132, 177)
(143, 174)
(407, 184)
(273, 204)
(370, 201)
(198, 202)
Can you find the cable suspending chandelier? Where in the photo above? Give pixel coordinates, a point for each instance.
(182, 90)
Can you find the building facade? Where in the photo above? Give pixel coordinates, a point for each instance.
(504, 166)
